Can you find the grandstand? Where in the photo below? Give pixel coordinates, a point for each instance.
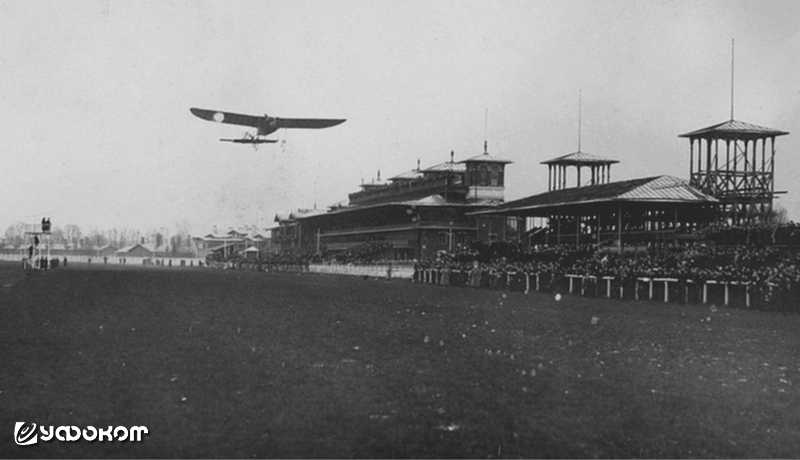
(412, 215)
(643, 210)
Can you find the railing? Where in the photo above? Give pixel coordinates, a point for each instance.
(116, 260)
(400, 189)
(376, 271)
(665, 289)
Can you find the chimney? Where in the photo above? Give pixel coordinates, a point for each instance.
(485, 147)
(418, 164)
(379, 175)
(452, 153)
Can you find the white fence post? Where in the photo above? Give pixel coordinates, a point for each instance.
(608, 285)
(747, 294)
(726, 293)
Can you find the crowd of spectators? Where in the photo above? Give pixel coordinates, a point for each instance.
(784, 234)
(773, 272)
(365, 253)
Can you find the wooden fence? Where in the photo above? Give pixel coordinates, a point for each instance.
(665, 289)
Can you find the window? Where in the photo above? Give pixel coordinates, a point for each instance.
(494, 178)
(484, 180)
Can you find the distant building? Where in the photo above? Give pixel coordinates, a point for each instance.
(104, 251)
(232, 242)
(136, 250)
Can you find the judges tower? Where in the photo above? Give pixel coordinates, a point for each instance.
(734, 161)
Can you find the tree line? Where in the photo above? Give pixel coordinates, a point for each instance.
(177, 240)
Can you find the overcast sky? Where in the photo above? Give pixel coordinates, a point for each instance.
(95, 97)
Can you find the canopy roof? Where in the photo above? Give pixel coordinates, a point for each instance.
(581, 159)
(293, 215)
(656, 189)
(732, 129)
(486, 158)
(446, 166)
(434, 200)
(408, 175)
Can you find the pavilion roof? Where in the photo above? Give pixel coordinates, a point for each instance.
(408, 175)
(655, 189)
(434, 200)
(486, 158)
(446, 166)
(580, 158)
(734, 129)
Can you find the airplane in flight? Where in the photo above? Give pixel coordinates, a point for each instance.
(264, 124)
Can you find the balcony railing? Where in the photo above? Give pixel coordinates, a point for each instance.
(400, 190)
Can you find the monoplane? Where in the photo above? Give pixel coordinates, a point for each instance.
(264, 124)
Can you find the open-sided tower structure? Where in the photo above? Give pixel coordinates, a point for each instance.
(734, 162)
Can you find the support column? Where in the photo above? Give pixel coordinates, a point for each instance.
(578, 167)
(772, 172)
(558, 229)
(747, 176)
(549, 178)
(699, 161)
(728, 166)
(597, 225)
(691, 159)
(735, 162)
(708, 162)
(619, 228)
(559, 176)
(716, 164)
(763, 159)
(555, 177)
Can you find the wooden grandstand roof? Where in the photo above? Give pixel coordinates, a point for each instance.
(435, 200)
(407, 175)
(486, 158)
(580, 158)
(646, 189)
(446, 166)
(734, 129)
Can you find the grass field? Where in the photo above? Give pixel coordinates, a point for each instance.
(242, 364)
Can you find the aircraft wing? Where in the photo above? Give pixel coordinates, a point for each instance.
(309, 123)
(228, 117)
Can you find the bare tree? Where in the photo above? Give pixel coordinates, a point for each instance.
(777, 217)
(73, 235)
(15, 233)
